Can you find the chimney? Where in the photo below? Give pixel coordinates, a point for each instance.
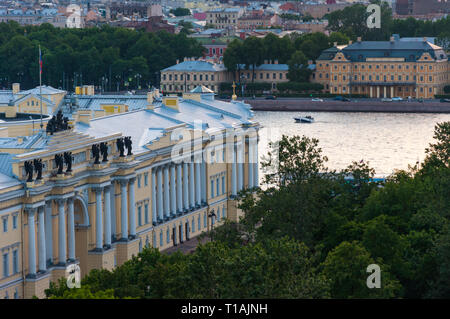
(16, 88)
(359, 39)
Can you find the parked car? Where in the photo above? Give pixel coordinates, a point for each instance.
(386, 99)
(341, 98)
(316, 100)
(445, 100)
(397, 99)
(271, 97)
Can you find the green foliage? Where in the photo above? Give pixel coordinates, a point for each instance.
(269, 269)
(346, 267)
(299, 87)
(75, 56)
(180, 12)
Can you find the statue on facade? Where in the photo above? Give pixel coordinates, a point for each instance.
(59, 161)
(37, 163)
(104, 151)
(68, 159)
(128, 144)
(96, 153)
(120, 146)
(51, 128)
(57, 123)
(29, 170)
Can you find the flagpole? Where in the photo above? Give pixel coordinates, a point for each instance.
(40, 82)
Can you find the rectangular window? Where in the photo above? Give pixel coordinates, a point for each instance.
(199, 224)
(139, 181)
(146, 213)
(15, 222)
(212, 189)
(145, 179)
(223, 212)
(15, 262)
(5, 225)
(204, 220)
(195, 77)
(193, 224)
(223, 185)
(140, 215)
(217, 187)
(161, 239)
(212, 77)
(167, 236)
(5, 265)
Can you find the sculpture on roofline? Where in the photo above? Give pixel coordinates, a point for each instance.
(68, 159)
(29, 170)
(104, 151)
(96, 153)
(120, 146)
(59, 161)
(128, 145)
(37, 163)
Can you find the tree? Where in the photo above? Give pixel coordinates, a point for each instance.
(253, 54)
(180, 12)
(346, 267)
(298, 68)
(232, 58)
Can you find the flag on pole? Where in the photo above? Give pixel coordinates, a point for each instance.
(40, 60)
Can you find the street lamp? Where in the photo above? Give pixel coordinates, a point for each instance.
(212, 215)
(138, 76)
(242, 84)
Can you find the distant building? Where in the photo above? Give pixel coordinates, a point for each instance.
(30, 16)
(422, 7)
(185, 75)
(224, 18)
(384, 68)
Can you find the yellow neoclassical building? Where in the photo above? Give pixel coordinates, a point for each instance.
(395, 68)
(93, 194)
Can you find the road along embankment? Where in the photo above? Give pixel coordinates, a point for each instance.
(292, 105)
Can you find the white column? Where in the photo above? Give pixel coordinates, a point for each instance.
(185, 186)
(198, 200)
(166, 193)
(203, 178)
(113, 209)
(71, 224)
(240, 164)
(132, 208)
(154, 211)
(41, 242)
(108, 215)
(98, 219)
(179, 189)
(255, 165)
(233, 172)
(49, 231)
(124, 209)
(160, 195)
(392, 91)
(61, 232)
(191, 185)
(31, 243)
(173, 192)
(251, 160)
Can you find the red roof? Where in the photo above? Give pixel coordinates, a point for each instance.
(287, 6)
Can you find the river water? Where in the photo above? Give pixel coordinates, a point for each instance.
(388, 141)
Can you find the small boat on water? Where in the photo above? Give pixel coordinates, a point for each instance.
(304, 119)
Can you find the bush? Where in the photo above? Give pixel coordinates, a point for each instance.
(299, 87)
